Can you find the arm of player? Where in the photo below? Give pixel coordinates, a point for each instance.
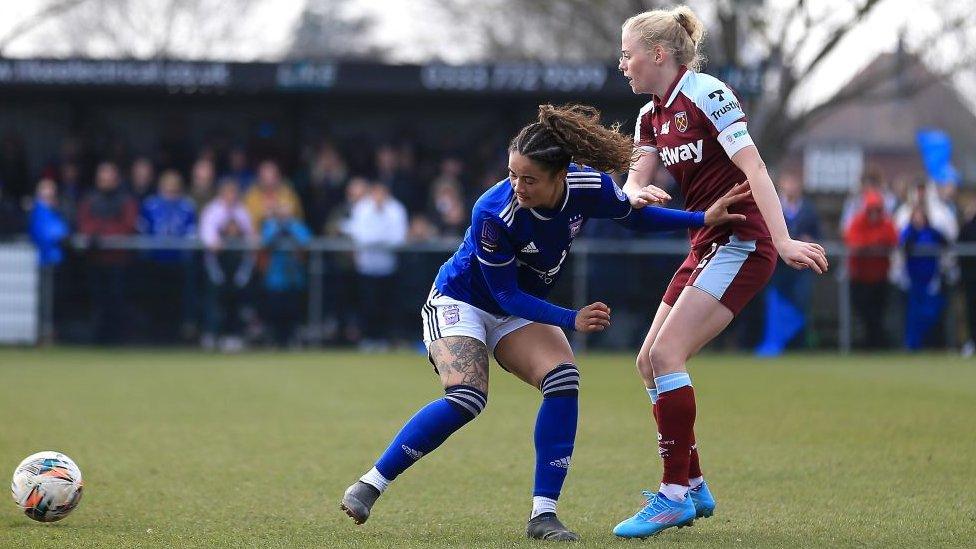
(638, 187)
(795, 253)
(503, 283)
(655, 219)
(664, 219)
(496, 254)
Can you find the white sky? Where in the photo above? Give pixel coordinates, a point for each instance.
(406, 29)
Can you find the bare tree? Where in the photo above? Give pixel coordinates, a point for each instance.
(155, 29)
(791, 40)
(326, 31)
(794, 55)
(48, 11)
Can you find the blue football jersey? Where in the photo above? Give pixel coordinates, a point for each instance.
(536, 239)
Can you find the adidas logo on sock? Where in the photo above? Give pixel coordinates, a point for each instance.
(415, 454)
(561, 462)
(530, 248)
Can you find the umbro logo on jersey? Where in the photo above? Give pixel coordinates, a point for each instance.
(688, 151)
(415, 454)
(530, 249)
(562, 463)
(666, 128)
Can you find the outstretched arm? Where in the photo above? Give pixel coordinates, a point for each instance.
(796, 254)
(652, 218)
(503, 282)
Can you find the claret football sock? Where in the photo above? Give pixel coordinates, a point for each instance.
(676, 421)
(694, 465)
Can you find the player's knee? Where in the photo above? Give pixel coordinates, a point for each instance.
(469, 401)
(561, 381)
(644, 366)
(665, 359)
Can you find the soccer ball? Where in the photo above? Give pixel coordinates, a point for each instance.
(47, 486)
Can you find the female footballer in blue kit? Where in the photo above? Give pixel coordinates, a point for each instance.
(489, 299)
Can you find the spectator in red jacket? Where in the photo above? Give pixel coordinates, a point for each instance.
(107, 211)
(870, 238)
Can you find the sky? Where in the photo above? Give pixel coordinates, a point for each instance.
(405, 29)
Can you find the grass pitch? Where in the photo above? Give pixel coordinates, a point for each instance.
(183, 449)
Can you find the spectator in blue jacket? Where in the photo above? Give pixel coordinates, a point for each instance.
(48, 229)
(284, 236)
(789, 292)
(921, 242)
(169, 214)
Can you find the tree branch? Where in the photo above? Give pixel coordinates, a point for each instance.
(51, 11)
(835, 37)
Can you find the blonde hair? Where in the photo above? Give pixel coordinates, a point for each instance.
(678, 30)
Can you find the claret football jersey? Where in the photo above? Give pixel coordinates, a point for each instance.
(695, 129)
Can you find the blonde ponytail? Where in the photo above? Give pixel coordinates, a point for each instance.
(678, 30)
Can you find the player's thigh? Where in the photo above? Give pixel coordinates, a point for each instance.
(533, 351)
(461, 360)
(696, 318)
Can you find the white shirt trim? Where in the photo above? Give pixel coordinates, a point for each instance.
(561, 208)
(489, 263)
(677, 88)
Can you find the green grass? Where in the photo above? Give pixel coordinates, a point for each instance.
(183, 449)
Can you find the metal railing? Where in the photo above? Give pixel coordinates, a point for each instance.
(586, 254)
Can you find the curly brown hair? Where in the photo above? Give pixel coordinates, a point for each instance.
(573, 133)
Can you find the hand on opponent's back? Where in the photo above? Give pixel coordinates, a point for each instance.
(648, 195)
(718, 213)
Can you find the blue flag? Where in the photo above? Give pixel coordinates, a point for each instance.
(935, 147)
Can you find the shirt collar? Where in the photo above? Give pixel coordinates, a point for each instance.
(675, 87)
(546, 214)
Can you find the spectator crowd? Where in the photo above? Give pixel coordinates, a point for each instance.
(254, 219)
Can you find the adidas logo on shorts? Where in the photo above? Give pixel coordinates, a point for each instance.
(415, 454)
(561, 462)
(530, 248)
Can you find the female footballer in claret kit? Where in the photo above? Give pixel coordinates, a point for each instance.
(695, 126)
(489, 299)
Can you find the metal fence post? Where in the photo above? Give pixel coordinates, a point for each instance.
(316, 273)
(843, 307)
(580, 271)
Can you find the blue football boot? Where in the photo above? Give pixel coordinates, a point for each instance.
(703, 500)
(658, 514)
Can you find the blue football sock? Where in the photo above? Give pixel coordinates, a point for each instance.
(430, 427)
(555, 429)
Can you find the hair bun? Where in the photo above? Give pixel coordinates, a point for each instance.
(690, 22)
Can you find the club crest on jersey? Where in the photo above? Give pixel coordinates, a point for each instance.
(681, 121)
(451, 314)
(574, 228)
(620, 193)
